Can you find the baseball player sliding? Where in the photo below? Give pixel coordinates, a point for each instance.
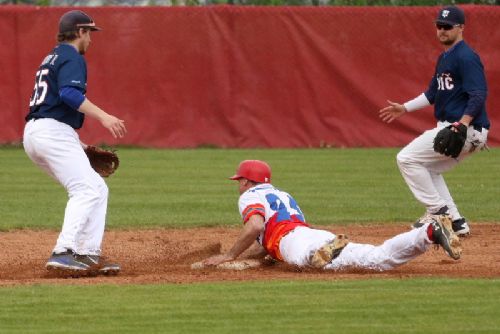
(275, 225)
(458, 91)
(57, 108)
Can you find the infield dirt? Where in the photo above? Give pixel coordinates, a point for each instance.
(165, 255)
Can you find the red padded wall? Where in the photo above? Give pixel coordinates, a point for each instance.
(247, 76)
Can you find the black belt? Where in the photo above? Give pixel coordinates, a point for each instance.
(474, 126)
(33, 118)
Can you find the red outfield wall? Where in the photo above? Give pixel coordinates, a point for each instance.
(247, 76)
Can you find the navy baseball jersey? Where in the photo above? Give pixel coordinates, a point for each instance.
(459, 76)
(63, 67)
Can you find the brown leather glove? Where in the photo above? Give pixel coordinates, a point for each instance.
(103, 161)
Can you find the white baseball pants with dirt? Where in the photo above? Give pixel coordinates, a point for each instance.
(422, 168)
(297, 246)
(55, 147)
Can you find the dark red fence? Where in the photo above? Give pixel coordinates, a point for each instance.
(247, 76)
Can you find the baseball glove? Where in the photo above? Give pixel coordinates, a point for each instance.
(451, 139)
(103, 161)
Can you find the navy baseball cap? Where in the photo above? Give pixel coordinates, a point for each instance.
(75, 19)
(451, 15)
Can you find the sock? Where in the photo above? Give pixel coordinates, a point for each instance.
(429, 233)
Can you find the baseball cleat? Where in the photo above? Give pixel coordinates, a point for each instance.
(328, 252)
(110, 269)
(443, 235)
(460, 227)
(98, 265)
(420, 221)
(65, 262)
(428, 217)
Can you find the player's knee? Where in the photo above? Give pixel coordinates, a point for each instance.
(92, 192)
(82, 189)
(104, 190)
(98, 193)
(402, 159)
(101, 188)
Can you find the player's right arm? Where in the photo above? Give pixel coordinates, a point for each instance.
(115, 125)
(396, 110)
(256, 251)
(73, 97)
(252, 229)
(71, 78)
(391, 112)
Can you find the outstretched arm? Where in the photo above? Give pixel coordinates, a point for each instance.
(253, 227)
(256, 251)
(74, 98)
(396, 110)
(391, 112)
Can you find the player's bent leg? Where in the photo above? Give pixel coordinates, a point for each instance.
(327, 253)
(392, 253)
(65, 159)
(418, 179)
(83, 199)
(444, 193)
(413, 161)
(440, 231)
(297, 246)
(89, 239)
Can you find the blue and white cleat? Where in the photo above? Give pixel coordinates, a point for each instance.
(65, 262)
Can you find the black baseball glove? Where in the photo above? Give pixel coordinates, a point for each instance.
(451, 139)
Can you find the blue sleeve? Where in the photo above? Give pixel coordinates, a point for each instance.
(71, 96)
(475, 103)
(473, 77)
(73, 72)
(474, 83)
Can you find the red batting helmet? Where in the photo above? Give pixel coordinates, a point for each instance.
(253, 170)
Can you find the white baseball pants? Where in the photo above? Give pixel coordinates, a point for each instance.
(422, 168)
(297, 246)
(55, 147)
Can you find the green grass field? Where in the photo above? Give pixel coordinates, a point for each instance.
(371, 306)
(186, 188)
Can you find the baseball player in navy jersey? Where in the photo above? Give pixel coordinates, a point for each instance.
(275, 225)
(458, 92)
(58, 106)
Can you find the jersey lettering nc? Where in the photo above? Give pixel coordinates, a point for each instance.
(459, 86)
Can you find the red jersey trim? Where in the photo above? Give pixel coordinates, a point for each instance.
(253, 209)
(275, 231)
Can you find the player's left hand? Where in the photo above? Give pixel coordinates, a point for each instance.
(391, 112)
(217, 259)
